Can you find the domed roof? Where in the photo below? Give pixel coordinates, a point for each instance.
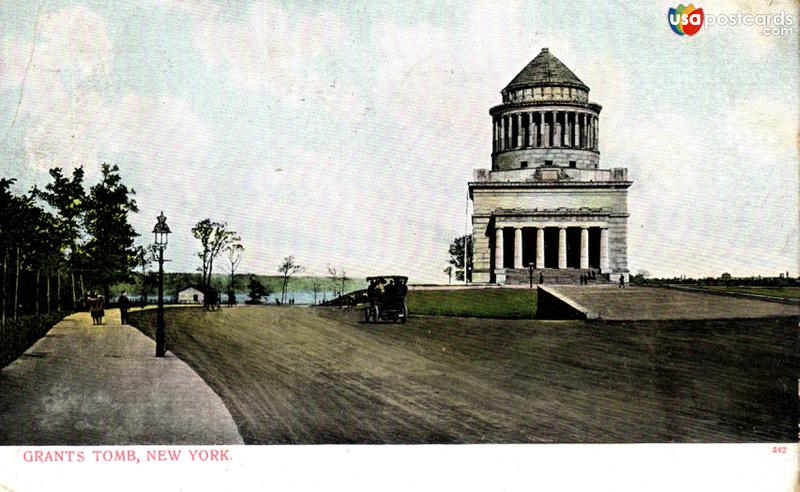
(546, 70)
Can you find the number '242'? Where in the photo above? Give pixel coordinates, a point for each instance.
(779, 449)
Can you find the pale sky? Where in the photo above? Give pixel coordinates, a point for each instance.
(345, 133)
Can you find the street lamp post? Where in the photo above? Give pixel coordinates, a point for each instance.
(161, 232)
(530, 273)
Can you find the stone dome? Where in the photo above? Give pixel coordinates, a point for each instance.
(546, 71)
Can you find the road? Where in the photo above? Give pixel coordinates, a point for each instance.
(313, 375)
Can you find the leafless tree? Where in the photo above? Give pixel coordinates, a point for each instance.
(233, 255)
(334, 278)
(287, 269)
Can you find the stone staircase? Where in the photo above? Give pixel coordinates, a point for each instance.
(553, 276)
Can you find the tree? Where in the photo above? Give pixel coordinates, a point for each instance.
(727, 276)
(457, 256)
(449, 272)
(334, 278)
(109, 252)
(68, 198)
(233, 254)
(287, 269)
(315, 286)
(344, 279)
(214, 238)
(30, 244)
(144, 256)
(256, 291)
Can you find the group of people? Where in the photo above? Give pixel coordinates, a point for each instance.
(586, 277)
(379, 288)
(96, 304)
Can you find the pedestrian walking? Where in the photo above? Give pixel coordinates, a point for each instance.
(124, 305)
(92, 302)
(101, 311)
(541, 277)
(621, 281)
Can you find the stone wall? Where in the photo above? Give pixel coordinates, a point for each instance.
(481, 259)
(536, 157)
(618, 244)
(520, 175)
(485, 201)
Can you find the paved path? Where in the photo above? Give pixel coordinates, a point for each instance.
(89, 385)
(649, 303)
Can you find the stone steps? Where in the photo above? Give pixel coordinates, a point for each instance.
(552, 276)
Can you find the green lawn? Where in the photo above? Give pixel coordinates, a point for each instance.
(783, 292)
(475, 303)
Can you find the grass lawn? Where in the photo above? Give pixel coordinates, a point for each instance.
(783, 292)
(320, 375)
(474, 303)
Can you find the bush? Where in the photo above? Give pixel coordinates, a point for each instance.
(17, 336)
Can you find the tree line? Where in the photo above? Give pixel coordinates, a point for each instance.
(59, 242)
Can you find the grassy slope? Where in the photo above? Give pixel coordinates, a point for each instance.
(15, 338)
(313, 375)
(783, 292)
(475, 303)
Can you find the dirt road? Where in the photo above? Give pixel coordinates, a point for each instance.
(310, 375)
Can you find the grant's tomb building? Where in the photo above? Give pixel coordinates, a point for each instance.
(546, 203)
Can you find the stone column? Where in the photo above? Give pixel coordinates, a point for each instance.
(494, 135)
(531, 131)
(498, 247)
(502, 130)
(540, 247)
(597, 133)
(588, 132)
(520, 133)
(509, 129)
(585, 131)
(557, 129)
(562, 247)
(584, 248)
(545, 130)
(567, 130)
(518, 247)
(604, 250)
(576, 133)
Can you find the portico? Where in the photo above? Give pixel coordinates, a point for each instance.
(551, 245)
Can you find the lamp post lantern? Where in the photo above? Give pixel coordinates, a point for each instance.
(530, 273)
(161, 232)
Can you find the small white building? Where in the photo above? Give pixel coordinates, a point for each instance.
(190, 295)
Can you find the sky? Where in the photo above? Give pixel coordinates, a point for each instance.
(344, 133)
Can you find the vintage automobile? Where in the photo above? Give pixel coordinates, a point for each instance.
(387, 299)
(211, 300)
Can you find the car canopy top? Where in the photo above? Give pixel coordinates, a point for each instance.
(386, 277)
